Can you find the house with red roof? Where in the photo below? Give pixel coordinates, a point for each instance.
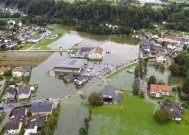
(17, 72)
(159, 91)
(4, 69)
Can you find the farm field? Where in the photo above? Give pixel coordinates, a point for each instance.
(23, 58)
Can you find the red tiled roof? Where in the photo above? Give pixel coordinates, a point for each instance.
(159, 54)
(17, 69)
(157, 88)
(98, 50)
(4, 69)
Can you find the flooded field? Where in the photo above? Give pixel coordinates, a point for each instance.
(74, 39)
(159, 76)
(50, 86)
(13, 58)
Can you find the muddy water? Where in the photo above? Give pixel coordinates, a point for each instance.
(50, 86)
(53, 87)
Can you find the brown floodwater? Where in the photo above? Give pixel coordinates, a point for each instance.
(52, 86)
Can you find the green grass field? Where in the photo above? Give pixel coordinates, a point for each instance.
(43, 45)
(134, 117)
(26, 46)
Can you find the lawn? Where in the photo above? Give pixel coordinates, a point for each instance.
(134, 117)
(175, 80)
(43, 45)
(26, 46)
(2, 116)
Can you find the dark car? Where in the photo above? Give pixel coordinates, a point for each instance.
(1, 108)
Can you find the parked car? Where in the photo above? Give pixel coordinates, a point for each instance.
(1, 108)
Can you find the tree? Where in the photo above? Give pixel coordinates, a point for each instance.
(136, 73)
(141, 94)
(135, 88)
(83, 131)
(95, 99)
(152, 80)
(162, 116)
(185, 47)
(185, 86)
(174, 69)
(19, 42)
(7, 73)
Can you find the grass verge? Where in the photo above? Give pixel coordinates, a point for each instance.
(120, 70)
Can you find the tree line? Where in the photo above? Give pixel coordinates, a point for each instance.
(93, 17)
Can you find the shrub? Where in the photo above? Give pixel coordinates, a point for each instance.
(95, 99)
(162, 116)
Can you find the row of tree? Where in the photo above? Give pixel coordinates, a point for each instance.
(93, 16)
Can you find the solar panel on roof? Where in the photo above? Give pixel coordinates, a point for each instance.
(73, 62)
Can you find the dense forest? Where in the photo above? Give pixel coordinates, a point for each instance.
(102, 17)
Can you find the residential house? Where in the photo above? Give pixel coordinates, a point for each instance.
(24, 92)
(174, 109)
(31, 128)
(4, 69)
(160, 57)
(17, 72)
(41, 108)
(145, 46)
(81, 79)
(108, 93)
(36, 123)
(151, 61)
(119, 98)
(13, 127)
(9, 94)
(158, 91)
(69, 77)
(96, 53)
(18, 117)
(148, 34)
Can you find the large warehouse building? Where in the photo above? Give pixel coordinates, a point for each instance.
(70, 66)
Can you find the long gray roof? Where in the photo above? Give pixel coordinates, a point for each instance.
(71, 63)
(41, 107)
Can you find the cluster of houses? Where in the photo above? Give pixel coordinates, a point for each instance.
(14, 94)
(5, 41)
(33, 118)
(159, 91)
(158, 47)
(11, 93)
(16, 71)
(23, 34)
